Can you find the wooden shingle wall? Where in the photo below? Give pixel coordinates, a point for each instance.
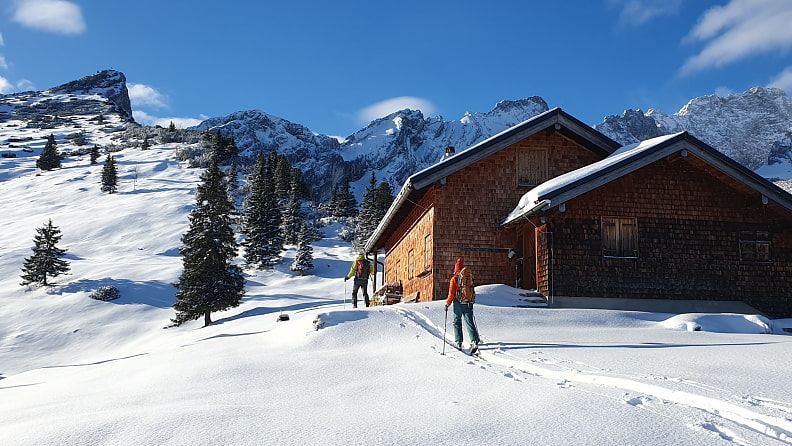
(408, 252)
(689, 219)
(470, 206)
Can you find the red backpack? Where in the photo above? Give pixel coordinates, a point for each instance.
(363, 270)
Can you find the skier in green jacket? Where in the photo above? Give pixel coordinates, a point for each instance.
(361, 269)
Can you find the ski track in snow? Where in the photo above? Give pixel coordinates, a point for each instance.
(719, 417)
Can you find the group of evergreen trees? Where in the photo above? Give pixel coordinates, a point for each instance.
(272, 216)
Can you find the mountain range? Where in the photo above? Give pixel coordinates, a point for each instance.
(753, 127)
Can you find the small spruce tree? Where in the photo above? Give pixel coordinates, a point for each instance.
(303, 261)
(209, 282)
(50, 158)
(94, 154)
(292, 214)
(46, 259)
(109, 175)
(345, 204)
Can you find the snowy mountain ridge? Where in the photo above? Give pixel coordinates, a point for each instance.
(754, 127)
(394, 146)
(747, 126)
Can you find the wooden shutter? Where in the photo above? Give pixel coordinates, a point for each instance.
(619, 237)
(610, 237)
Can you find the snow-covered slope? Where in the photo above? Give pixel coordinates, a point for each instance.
(77, 371)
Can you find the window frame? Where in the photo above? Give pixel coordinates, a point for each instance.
(755, 246)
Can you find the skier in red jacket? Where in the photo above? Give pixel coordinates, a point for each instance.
(462, 293)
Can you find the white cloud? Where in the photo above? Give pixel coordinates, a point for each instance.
(5, 86)
(3, 63)
(389, 106)
(146, 119)
(740, 29)
(25, 85)
(638, 12)
(723, 91)
(2, 43)
(142, 95)
(783, 80)
(57, 16)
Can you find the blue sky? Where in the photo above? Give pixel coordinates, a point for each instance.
(335, 66)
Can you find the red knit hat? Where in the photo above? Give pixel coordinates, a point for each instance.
(458, 266)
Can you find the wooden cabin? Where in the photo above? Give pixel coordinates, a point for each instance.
(553, 205)
(456, 207)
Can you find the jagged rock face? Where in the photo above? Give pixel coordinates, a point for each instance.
(394, 147)
(744, 126)
(781, 152)
(109, 84)
(255, 131)
(104, 93)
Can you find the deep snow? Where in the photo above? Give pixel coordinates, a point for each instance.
(78, 371)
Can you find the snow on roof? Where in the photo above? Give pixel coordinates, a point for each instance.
(534, 198)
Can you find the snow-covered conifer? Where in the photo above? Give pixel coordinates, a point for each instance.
(209, 282)
(303, 261)
(262, 218)
(50, 157)
(46, 259)
(109, 175)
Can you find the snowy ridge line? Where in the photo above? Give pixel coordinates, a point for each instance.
(775, 427)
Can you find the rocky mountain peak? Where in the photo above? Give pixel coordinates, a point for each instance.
(744, 126)
(109, 84)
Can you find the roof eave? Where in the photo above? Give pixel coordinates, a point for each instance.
(400, 199)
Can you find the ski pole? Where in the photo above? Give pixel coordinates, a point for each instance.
(345, 292)
(445, 327)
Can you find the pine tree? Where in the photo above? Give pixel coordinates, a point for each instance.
(282, 177)
(218, 146)
(146, 144)
(303, 188)
(46, 259)
(109, 175)
(50, 158)
(233, 178)
(332, 206)
(94, 154)
(262, 218)
(384, 199)
(209, 282)
(375, 204)
(303, 261)
(346, 205)
(293, 217)
(367, 219)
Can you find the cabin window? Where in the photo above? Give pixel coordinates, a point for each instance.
(427, 252)
(531, 167)
(620, 237)
(755, 246)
